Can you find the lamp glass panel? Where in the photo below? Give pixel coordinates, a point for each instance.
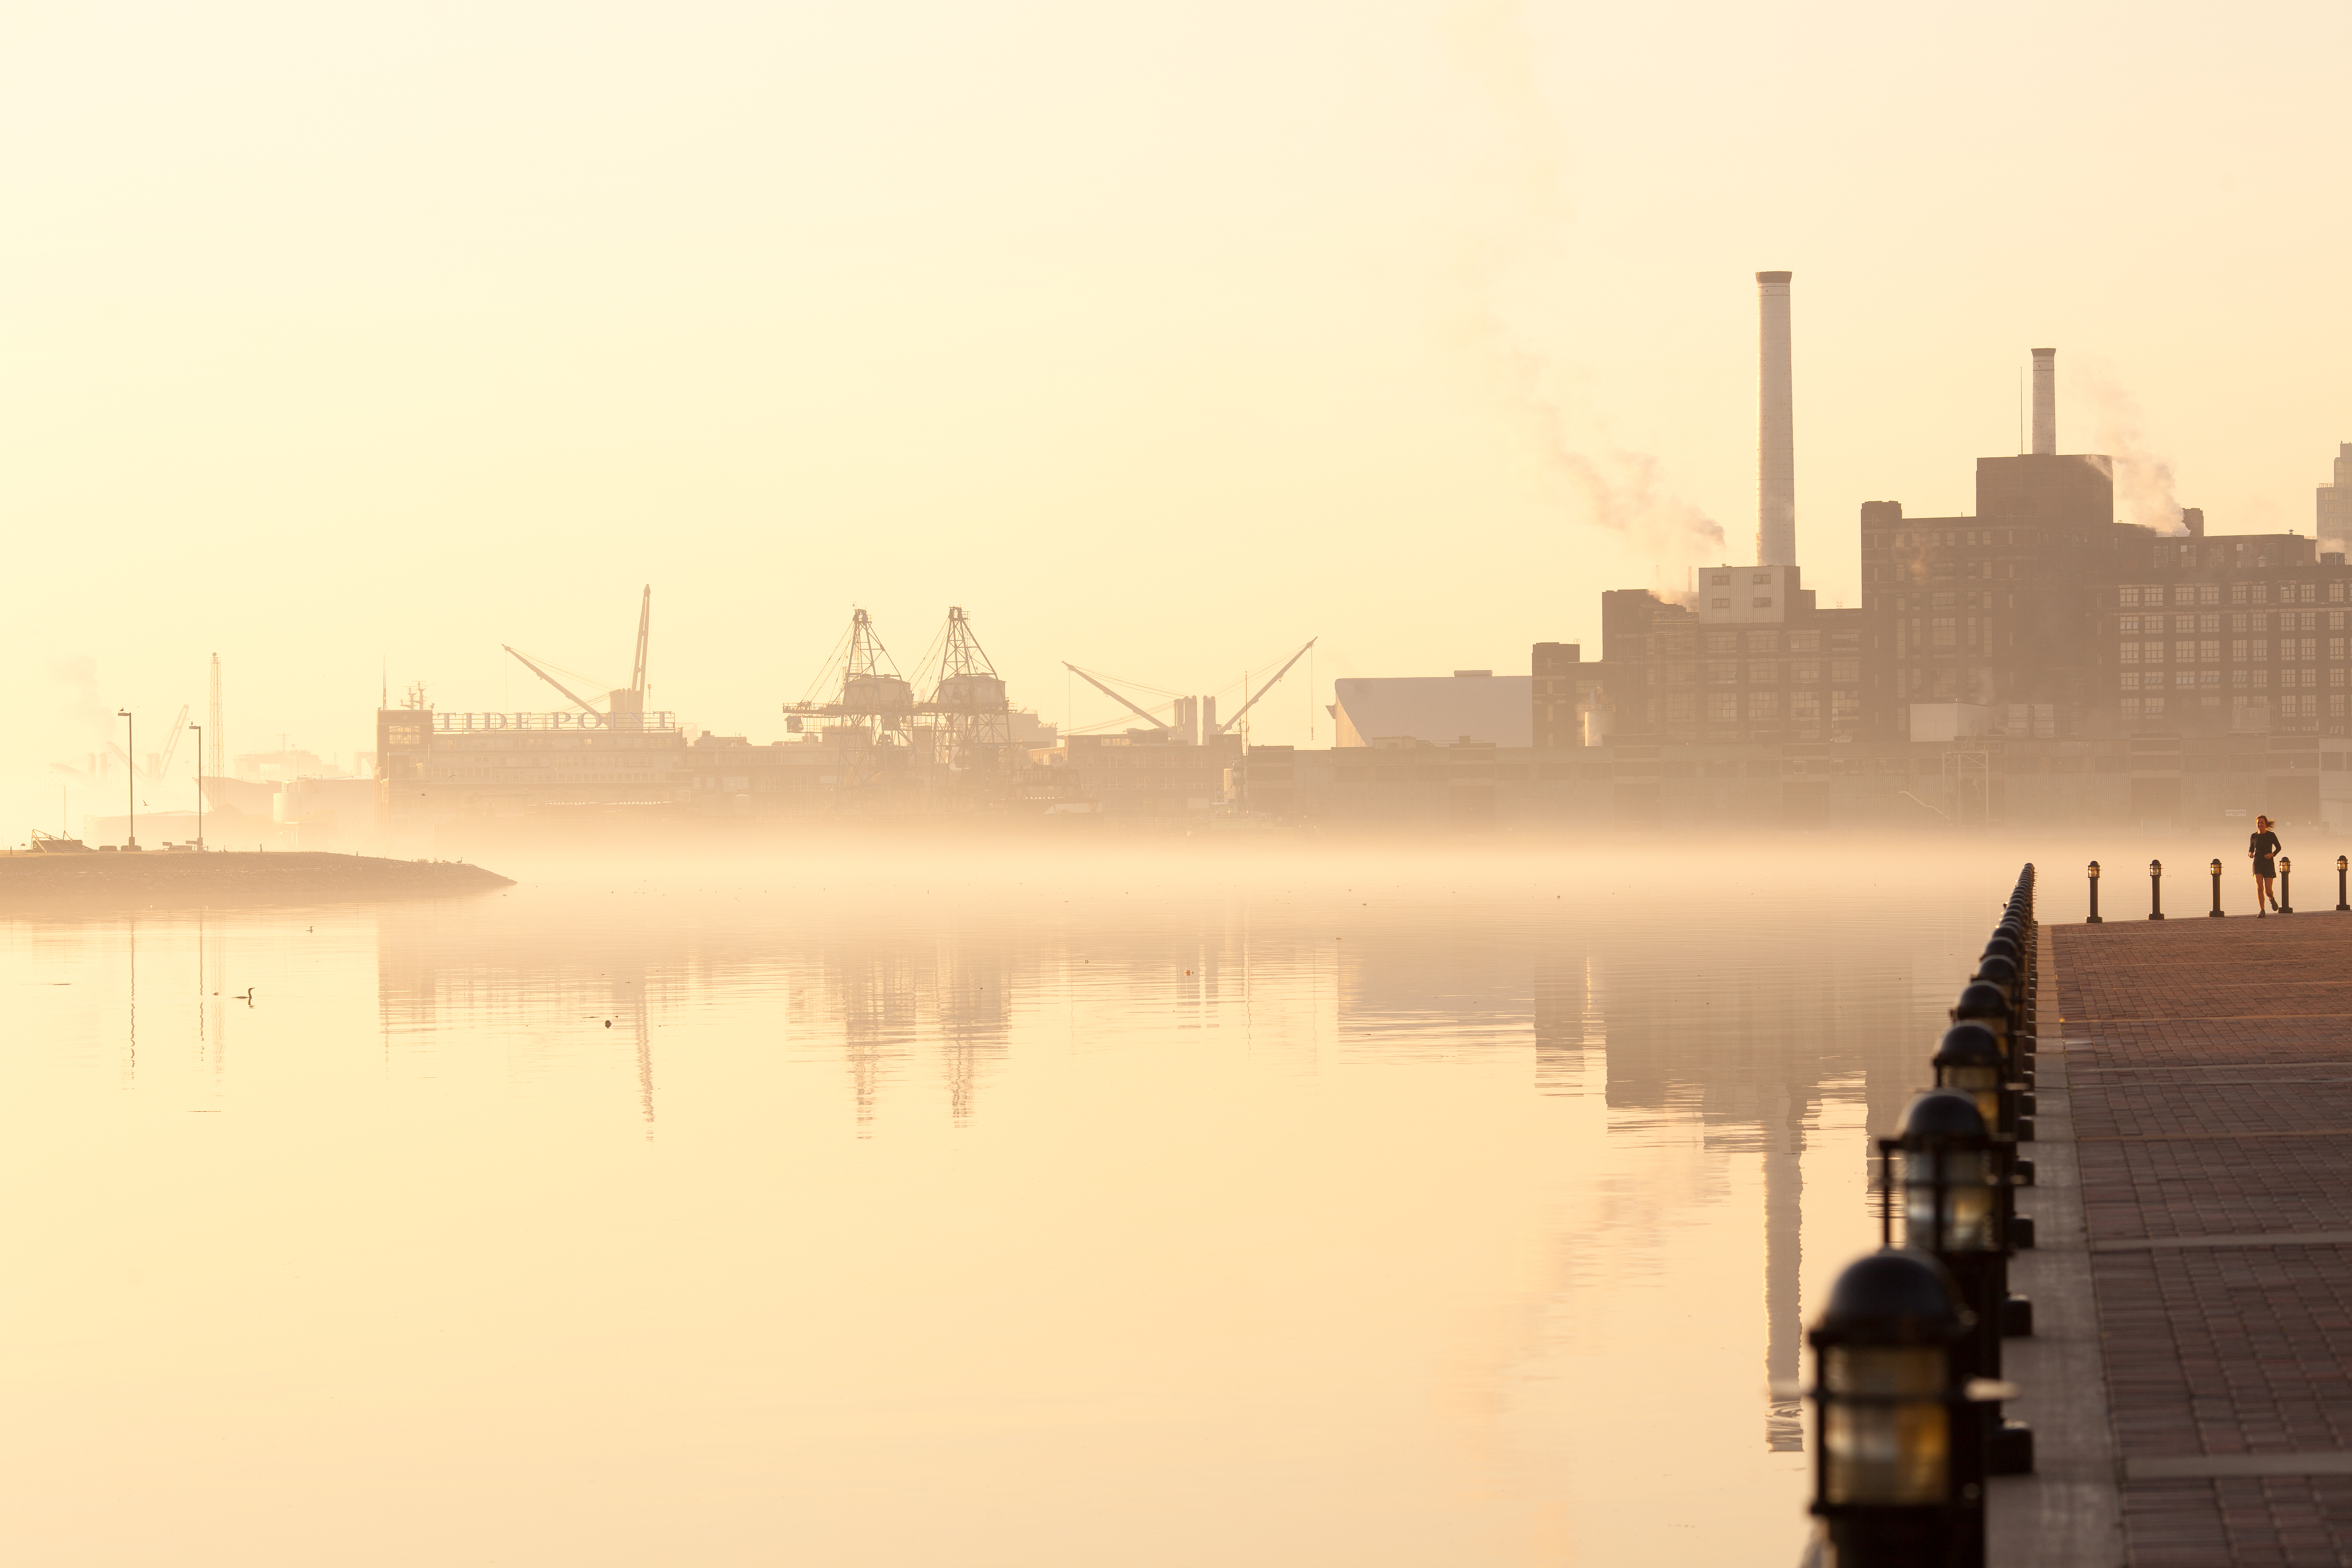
(1885, 1434)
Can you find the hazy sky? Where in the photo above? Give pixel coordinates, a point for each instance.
(1159, 336)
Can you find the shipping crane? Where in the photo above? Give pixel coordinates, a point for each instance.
(1196, 716)
(620, 701)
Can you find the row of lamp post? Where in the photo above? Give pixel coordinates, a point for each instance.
(2286, 888)
(1907, 1355)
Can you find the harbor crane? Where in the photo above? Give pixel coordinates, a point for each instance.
(1194, 715)
(621, 701)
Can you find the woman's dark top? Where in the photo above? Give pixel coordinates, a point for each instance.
(2264, 845)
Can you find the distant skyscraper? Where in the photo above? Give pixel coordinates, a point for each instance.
(2336, 502)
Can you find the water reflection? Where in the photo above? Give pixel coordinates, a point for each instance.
(1492, 1192)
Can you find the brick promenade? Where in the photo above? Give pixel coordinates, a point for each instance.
(2211, 1070)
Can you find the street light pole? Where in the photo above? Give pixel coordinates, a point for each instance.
(130, 771)
(199, 728)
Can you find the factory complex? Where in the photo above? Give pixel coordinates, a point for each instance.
(2037, 660)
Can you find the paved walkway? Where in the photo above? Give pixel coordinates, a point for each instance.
(2209, 1070)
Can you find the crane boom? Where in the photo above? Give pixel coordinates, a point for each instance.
(645, 623)
(567, 692)
(171, 743)
(1227, 726)
(1115, 697)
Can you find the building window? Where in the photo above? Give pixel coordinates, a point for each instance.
(2238, 623)
(2310, 595)
(1719, 579)
(2311, 707)
(1763, 705)
(1845, 705)
(2336, 592)
(2209, 677)
(2261, 590)
(1947, 632)
(2335, 620)
(2336, 708)
(1762, 604)
(2237, 593)
(2128, 624)
(2154, 708)
(1843, 670)
(1807, 672)
(2131, 707)
(1723, 642)
(2128, 653)
(2310, 677)
(2209, 592)
(2334, 677)
(1805, 705)
(1763, 642)
(1723, 705)
(1763, 673)
(1678, 708)
(2237, 678)
(2261, 650)
(1723, 675)
(1804, 642)
(2261, 678)
(2310, 648)
(2184, 653)
(2212, 623)
(2208, 651)
(2128, 596)
(1763, 577)
(2155, 652)
(1943, 601)
(2184, 677)
(1719, 604)
(2336, 649)
(2184, 593)
(2238, 651)
(2129, 680)
(2184, 623)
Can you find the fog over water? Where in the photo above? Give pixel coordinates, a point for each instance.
(1342, 1208)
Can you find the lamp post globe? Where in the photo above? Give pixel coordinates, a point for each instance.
(1895, 1479)
(1968, 1062)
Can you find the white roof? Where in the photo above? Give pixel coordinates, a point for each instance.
(1497, 709)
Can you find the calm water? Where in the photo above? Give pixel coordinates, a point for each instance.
(1354, 1210)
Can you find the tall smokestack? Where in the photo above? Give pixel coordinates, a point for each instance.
(1776, 452)
(2045, 403)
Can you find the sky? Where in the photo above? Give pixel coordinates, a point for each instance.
(351, 342)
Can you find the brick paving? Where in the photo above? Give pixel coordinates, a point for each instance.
(2211, 1076)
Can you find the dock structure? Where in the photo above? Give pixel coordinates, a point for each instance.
(2196, 1213)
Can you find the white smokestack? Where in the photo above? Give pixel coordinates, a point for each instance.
(2045, 403)
(1776, 454)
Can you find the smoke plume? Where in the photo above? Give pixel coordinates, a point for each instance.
(2145, 492)
(1605, 485)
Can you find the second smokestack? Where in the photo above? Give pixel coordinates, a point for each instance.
(2045, 403)
(1775, 450)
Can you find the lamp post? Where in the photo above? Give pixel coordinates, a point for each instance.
(2341, 907)
(1951, 1209)
(2095, 895)
(129, 772)
(2286, 886)
(2216, 869)
(199, 730)
(1895, 1482)
(2156, 890)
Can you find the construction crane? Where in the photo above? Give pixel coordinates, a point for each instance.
(968, 698)
(1156, 723)
(158, 762)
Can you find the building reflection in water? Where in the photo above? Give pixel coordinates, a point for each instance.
(1750, 1049)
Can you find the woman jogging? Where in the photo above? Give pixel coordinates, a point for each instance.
(2263, 847)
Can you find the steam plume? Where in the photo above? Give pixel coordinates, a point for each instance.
(1606, 486)
(2144, 486)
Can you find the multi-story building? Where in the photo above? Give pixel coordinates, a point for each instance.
(1998, 609)
(2200, 633)
(1753, 659)
(2336, 502)
(1570, 702)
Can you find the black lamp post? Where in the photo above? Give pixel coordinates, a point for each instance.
(2286, 886)
(1951, 1208)
(129, 772)
(2216, 869)
(199, 730)
(1896, 1482)
(2341, 907)
(2156, 890)
(2095, 895)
